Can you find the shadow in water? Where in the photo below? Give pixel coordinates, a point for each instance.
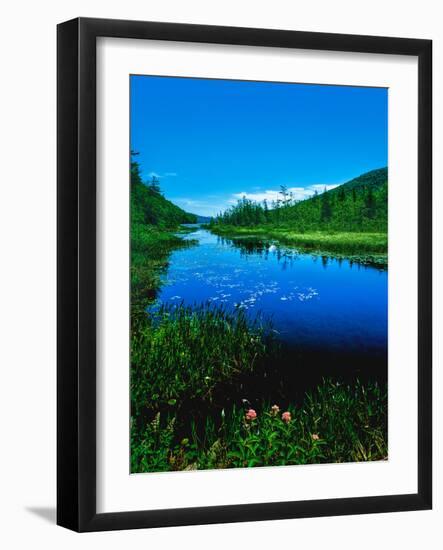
(48, 514)
(298, 371)
(287, 380)
(287, 255)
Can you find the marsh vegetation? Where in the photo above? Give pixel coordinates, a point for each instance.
(253, 340)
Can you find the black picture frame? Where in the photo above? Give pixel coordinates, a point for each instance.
(76, 265)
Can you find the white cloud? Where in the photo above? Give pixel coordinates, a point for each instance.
(211, 205)
(165, 175)
(299, 193)
(320, 187)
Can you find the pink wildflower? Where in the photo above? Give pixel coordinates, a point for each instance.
(286, 417)
(315, 437)
(251, 414)
(275, 409)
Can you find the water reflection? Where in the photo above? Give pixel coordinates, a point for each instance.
(331, 306)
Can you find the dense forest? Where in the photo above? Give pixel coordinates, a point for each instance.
(149, 206)
(359, 205)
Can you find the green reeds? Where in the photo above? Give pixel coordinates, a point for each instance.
(183, 353)
(150, 251)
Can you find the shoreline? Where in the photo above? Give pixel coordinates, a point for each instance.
(364, 248)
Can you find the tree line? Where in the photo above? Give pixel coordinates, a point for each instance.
(149, 206)
(359, 205)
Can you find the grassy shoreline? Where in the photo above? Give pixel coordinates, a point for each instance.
(151, 248)
(184, 361)
(368, 248)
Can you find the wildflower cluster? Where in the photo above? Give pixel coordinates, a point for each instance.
(251, 414)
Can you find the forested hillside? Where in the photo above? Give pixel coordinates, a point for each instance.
(359, 205)
(149, 206)
(155, 222)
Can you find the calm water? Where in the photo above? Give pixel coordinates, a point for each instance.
(333, 308)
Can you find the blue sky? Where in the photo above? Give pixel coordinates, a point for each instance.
(212, 141)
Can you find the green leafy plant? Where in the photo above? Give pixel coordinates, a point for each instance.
(335, 423)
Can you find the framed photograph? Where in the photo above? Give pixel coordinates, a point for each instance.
(244, 274)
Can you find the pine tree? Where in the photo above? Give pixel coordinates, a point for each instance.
(284, 194)
(154, 184)
(135, 169)
(326, 210)
(266, 210)
(370, 203)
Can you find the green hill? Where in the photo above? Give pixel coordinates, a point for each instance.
(150, 207)
(360, 205)
(374, 178)
(155, 222)
(204, 219)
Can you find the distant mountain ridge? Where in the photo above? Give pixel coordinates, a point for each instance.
(203, 219)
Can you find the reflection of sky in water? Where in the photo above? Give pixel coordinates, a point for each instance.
(310, 299)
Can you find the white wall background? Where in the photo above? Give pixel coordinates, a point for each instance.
(27, 273)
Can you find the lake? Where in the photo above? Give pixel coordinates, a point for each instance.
(331, 313)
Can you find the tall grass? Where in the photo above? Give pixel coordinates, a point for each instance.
(352, 243)
(181, 354)
(150, 251)
(335, 423)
